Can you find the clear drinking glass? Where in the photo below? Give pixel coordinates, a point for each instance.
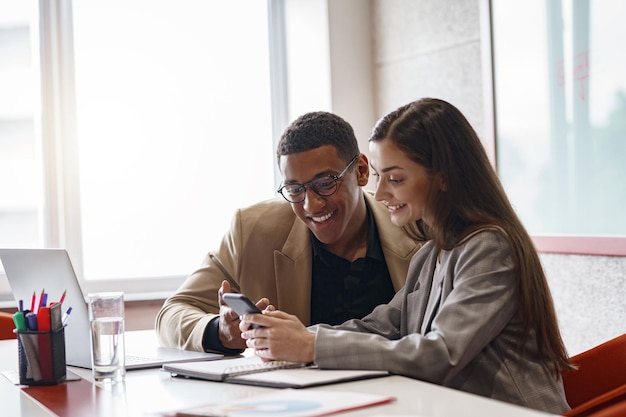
(106, 317)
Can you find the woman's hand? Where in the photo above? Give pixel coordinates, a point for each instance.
(282, 337)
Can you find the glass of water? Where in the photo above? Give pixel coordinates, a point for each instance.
(106, 317)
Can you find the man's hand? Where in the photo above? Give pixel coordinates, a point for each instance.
(230, 335)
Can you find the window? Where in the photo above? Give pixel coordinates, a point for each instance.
(560, 106)
(157, 125)
(21, 184)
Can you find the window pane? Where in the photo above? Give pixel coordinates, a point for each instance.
(560, 106)
(174, 129)
(21, 202)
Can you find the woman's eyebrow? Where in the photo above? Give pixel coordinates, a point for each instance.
(391, 168)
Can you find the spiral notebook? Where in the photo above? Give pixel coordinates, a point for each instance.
(277, 374)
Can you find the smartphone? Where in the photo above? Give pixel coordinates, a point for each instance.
(241, 304)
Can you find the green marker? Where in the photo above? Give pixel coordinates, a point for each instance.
(20, 321)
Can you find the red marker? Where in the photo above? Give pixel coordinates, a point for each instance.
(45, 343)
(43, 319)
(62, 297)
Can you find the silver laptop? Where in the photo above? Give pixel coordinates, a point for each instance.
(31, 270)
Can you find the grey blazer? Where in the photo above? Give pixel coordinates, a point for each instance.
(456, 323)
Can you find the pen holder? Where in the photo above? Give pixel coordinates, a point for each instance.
(41, 357)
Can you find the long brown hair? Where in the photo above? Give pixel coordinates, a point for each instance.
(436, 135)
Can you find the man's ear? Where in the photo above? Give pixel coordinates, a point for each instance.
(362, 170)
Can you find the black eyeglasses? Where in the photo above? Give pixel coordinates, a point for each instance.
(323, 186)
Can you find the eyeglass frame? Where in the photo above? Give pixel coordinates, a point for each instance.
(309, 184)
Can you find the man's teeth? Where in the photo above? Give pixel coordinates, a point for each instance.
(322, 218)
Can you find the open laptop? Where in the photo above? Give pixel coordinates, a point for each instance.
(31, 270)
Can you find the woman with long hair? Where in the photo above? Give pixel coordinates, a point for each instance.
(476, 312)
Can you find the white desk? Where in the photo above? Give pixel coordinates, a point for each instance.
(146, 392)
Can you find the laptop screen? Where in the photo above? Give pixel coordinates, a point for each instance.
(35, 270)
(50, 270)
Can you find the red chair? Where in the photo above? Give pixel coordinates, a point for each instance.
(599, 381)
(615, 410)
(6, 326)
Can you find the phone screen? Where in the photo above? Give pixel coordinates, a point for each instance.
(241, 304)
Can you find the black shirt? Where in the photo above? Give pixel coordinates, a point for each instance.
(343, 290)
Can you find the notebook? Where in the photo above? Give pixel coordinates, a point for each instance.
(28, 270)
(277, 374)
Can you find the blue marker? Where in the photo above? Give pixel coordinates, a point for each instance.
(66, 315)
(31, 321)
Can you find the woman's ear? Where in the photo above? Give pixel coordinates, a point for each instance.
(362, 170)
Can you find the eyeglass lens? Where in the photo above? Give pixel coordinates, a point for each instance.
(325, 186)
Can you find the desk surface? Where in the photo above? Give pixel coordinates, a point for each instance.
(152, 391)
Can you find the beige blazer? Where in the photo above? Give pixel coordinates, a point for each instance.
(266, 253)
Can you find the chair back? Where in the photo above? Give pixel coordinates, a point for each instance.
(6, 326)
(615, 410)
(600, 378)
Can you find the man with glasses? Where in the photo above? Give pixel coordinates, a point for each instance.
(327, 254)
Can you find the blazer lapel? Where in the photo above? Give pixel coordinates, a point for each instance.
(423, 307)
(293, 266)
(434, 301)
(416, 293)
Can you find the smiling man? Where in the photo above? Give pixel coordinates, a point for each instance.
(326, 253)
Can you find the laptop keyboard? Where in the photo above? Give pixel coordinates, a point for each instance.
(132, 359)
